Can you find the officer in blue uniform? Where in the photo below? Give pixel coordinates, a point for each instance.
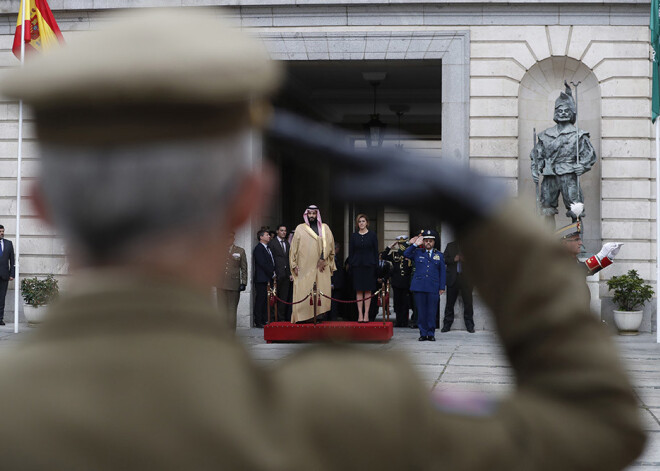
(428, 281)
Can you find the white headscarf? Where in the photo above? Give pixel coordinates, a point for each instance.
(319, 222)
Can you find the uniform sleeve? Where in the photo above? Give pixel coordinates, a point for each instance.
(573, 407)
(410, 251)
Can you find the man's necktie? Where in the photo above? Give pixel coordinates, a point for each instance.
(283, 246)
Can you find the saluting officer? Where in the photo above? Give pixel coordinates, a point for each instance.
(234, 283)
(135, 370)
(571, 239)
(428, 282)
(401, 272)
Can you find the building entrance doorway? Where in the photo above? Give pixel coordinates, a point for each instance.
(407, 100)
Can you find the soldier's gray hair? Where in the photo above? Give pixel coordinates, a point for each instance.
(105, 198)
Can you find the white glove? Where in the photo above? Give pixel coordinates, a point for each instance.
(609, 250)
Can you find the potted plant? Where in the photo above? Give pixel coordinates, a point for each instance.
(630, 295)
(37, 294)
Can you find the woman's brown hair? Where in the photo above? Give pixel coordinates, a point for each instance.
(361, 216)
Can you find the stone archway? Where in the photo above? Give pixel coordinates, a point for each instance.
(538, 90)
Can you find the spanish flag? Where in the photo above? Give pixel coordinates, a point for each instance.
(39, 30)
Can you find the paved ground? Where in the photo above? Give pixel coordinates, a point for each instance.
(472, 362)
(475, 362)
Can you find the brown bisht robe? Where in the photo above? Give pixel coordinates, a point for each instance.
(306, 250)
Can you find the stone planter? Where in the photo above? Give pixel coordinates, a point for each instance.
(34, 314)
(628, 322)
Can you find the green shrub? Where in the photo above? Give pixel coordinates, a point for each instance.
(630, 291)
(38, 292)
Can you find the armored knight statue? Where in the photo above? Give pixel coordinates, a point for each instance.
(560, 160)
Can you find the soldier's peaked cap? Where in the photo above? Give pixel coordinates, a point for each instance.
(569, 230)
(428, 234)
(143, 62)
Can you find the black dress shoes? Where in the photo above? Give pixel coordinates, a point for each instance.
(430, 338)
(444, 329)
(423, 338)
(471, 330)
(2, 322)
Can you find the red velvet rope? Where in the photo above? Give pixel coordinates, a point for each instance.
(350, 301)
(327, 297)
(291, 304)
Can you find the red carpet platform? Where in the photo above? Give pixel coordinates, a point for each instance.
(328, 331)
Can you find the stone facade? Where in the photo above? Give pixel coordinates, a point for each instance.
(502, 67)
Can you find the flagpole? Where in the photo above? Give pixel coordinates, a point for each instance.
(657, 227)
(17, 251)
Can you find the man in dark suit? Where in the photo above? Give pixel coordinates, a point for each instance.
(262, 275)
(280, 247)
(7, 270)
(457, 283)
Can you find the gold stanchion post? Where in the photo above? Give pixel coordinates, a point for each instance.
(314, 299)
(275, 295)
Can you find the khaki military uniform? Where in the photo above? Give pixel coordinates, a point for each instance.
(138, 374)
(134, 373)
(235, 275)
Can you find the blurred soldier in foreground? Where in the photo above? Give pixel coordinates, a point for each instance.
(135, 370)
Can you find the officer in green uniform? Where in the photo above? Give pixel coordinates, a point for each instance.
(235, 281)
(151, 121)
